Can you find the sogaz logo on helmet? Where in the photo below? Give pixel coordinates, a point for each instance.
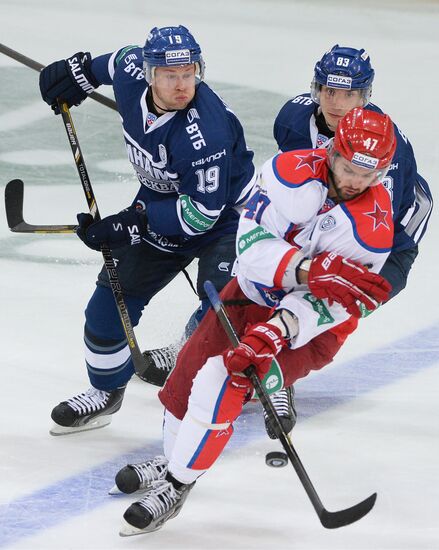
(338, 81)
(364, 161)
(178, 57)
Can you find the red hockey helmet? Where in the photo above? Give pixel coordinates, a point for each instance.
(366, 139)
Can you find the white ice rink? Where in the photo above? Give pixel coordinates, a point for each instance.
(367, 423)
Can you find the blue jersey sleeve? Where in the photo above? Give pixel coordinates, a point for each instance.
(104, 66)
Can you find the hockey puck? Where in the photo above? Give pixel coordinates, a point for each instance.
(276, 459)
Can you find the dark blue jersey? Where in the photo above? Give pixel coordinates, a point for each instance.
(193, 164)
(295, 128)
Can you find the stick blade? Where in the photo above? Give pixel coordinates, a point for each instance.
(332, 520)
(14, 195)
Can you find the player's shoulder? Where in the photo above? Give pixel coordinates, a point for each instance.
(207, 126)
(297, 168)
(371, 217)
(403, 145)
(301, 103)
(127, 64)
(295, 183)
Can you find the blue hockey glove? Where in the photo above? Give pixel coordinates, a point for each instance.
(117, 230)
(70, 80)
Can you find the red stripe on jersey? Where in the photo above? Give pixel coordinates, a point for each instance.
(281, 268)
(371, 218)
(296, 168)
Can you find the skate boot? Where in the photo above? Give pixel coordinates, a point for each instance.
(160, 363)
(283, 402)
(161, 503)
(138, 477)
(86, 411)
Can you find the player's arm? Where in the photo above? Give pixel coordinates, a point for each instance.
(73, 79)
(397, 267)
(410, 224)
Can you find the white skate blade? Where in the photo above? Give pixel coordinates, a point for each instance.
(127, 530)
(99, 422)
(115, 491)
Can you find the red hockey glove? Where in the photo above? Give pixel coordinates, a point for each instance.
(346, 281)
(259, 345)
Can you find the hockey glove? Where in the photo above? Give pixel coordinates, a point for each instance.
(117, 230)
(346, 281)
(69, 80)
(258, 346)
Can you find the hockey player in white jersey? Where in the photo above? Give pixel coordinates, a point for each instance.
(195, 173)
(343, 79)
(310, 245)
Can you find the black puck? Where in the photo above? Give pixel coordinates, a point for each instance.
(276, 459)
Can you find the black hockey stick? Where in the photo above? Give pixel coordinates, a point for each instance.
(14, 198)
(38, 67)
(330, 520)
(140, 366)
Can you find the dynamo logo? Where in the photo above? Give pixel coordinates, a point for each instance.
(364, 161)
(338, 81)
(178, 57)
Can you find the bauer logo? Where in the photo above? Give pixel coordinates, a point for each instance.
(178, 57)
(364, 161)
(338, 81)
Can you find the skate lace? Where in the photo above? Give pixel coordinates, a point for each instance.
(160, 499)
(90, 401)
(164, 358)
(151, 470)
(281, 403)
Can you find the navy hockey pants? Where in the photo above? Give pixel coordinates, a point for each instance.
(143, 271)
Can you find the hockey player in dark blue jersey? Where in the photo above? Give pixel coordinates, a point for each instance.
(342, 81)
(189, 152)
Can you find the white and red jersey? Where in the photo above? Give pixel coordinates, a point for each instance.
(291, 212)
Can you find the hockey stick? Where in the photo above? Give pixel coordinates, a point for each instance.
(330, 520)
(14, 198)
(140, 366)
(38, 67)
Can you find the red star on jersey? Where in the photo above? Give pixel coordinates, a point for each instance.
(379, 217)
(311, 160)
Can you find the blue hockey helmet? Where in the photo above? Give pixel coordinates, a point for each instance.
(345, 68)
(171, 47)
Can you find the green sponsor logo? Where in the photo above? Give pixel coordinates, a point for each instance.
(123, 52)
(253, 236)
(193, 217)
(274, 379)
(364, 311)
(319, 307)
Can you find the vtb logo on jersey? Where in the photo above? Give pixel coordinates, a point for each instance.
(311, 160)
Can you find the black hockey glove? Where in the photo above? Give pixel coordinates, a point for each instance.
(70, 80)
(117, 230)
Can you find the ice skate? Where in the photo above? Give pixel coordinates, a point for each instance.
(160, 363)
(283, 402)
(162, 502)
(140, 476)
(87, 411)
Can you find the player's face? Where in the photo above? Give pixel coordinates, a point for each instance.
(174, 87)
(349, 180)
(335, 103)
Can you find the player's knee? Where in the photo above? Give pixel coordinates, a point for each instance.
(213, 402)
